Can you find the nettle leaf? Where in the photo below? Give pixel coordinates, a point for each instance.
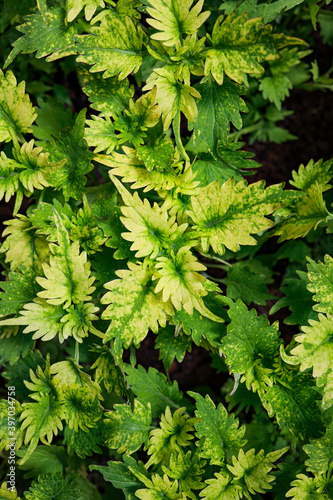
(71, 147)
(268, 11)
(20, 289)
(121, 476)
(134, 307)
(298, 299)
(16, 111)
(69, 373)
(127, 430)
(172, 345)
(321, 284)
(309, 211)
(187, 470)
(41, 420)
(84, 443)
(254, 469)
(74, 7)
(294, 402)
(23, 246)
(315, 349)
(171, 436)
(320, 452)
(67, 277)
(108, 372)
(173, 18)
(53, 486)
(305, 487)
(199, 327)
(100, 134)
(221, 431)
(219, 106)
(225, 216)
(159, 155)
(160, 489)
(250, 345)
(242, 283)
(221, 488)
(239, 46)
(80, 408)
(313, 173)
(108, 95)
(154, 388)
(113, 47)
(49, 35)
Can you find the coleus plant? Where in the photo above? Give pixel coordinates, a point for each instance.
(128, 209)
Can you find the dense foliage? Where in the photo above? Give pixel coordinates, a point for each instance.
(132, 217)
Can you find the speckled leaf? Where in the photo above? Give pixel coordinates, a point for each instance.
(319, 172)
(308, 213)
(321, 284)
(226, 216)
(221, 431)
(320, 452)
(108, 372)
(16, 111)
(100, 134)
(134, 307)
(114, 47)
(172, 346)
(154, 388)
(19, 289)
(220, 488)
(158, 155)
(53, 486)
(295, 406)
(250, 341)
(71, 146)
(108, 95)
(200, 327)
(127, 430)
(119, 474)
(298, 299)
(49, 36)
(219, 106)
(239, 46)
(173, 18)
(74, 7)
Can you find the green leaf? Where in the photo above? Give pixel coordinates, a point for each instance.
(315, 346)
(20, 289)
(294, 402)
(113, 47)
(153, 387)
(108, 372)
(71, 147)
(309, 211)
(250, 345)
(225, 216)
(239, 46)
(44, 460)
(100, 134)
(220, 488)
(8, 494)
(319, 172)
(74, 7)
(84, 443)
(275, 88)
(80, 408)
(219, 106)
(68, 373)
(172, 346)
(200, 327)
(53, 486)
(187, 470)
(134, 307)
(160, 489)
(321, 284)
(49, 35)
(62, 119)
(128, 430)
(16, 111)
(14, 347)
(158, 155)
(298, 299)
(172, 434)
(268, 11)
(121, 476)
(254, 469)
(320, 452)
(173, 18)
(108, 95)
(221, 431)
(305, 487)
(244, 284)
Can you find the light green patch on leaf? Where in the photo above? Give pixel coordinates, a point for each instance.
(227, 215)
(314, 172)
(305, 487)
(71, 147)
(220, 488)
(128, 430)
(68, 373)
(153, 387)
(113, 47)
(100, 134)
(158, 155)
(221, 431)
(108, 372)
(219, 106)
(173, 18)
(16, 111)
(134, 307)
(53, 486)
(187, 470)
(49, 35)
(320, 275)
(74, 7)
(160, 488)
(80, 408)
(320, 452)
(8, 494)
